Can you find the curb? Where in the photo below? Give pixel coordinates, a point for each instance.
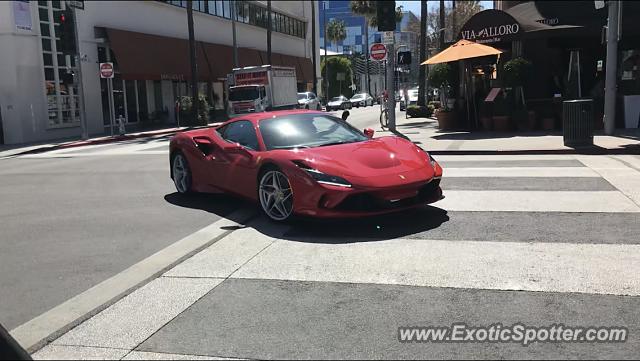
(107, 140)
(635, 150)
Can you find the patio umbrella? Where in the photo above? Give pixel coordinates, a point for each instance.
(463, 49)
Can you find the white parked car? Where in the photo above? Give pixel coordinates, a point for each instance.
(361, 100)
(309, 100)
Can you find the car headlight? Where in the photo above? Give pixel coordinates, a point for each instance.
(323, 178)
(432, 161)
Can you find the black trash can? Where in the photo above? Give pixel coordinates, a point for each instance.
(577, 122)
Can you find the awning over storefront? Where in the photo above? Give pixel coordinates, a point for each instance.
(151, 57)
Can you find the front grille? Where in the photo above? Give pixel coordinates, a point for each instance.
(364, 202)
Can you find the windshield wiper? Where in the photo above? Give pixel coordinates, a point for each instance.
(336, 143)
(291, 147)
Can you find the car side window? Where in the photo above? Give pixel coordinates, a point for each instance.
(241, 132)
(312, 96)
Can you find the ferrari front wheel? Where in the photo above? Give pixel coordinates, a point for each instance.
(181, 173)
(276, 195)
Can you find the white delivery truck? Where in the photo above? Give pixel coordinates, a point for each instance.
(262, 88)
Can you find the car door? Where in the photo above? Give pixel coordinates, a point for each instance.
(240, 163)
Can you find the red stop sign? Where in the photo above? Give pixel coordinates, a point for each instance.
(106, 70)
(378, 52)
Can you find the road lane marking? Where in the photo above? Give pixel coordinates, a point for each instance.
(548, 267)
(521, 172)
(140, 355)
(621, 176)
(537, 201)
(33, 334)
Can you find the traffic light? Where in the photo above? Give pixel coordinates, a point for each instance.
(386, 11)
(67, 32)
(404, 58)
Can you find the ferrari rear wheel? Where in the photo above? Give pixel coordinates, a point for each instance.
(276, 195)
(181, 173)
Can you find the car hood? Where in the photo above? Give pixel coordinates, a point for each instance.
(303, 101)
(365, 162)
(337, 102)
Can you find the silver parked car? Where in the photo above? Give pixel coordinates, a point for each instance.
(361, 100)
(339, 102)
(309, 100)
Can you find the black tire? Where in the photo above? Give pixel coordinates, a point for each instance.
(319, 107)
(182, 182)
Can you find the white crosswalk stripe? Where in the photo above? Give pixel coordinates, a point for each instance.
(262, 251)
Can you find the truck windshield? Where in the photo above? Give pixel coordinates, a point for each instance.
(240, 94)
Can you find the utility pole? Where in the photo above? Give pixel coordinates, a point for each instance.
(83, 115)
(194, 65)
(441, 30)
(234, 15)
(453, 21)
(611, 71)
(326, 58)
(391, 71)
(269, 32)
(366, 53)
(313, 46)
(422, 88)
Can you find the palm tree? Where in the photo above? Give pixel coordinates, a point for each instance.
(336, 31)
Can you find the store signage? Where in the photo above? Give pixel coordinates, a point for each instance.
(106, 70)
(258, 77)
(378, 52)
(491, 26)
(491, 34)
(178, 77)
(22, 15)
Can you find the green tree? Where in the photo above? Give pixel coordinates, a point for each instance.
(336, 65)
(463, 12)
(336, 31)
(368, 9)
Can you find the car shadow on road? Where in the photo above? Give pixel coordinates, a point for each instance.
(376, 228)
(312, 230)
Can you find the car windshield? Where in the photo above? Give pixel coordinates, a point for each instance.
(336, 99)
(358, 96)
(244, 93)
(302, 96)
(307, 131)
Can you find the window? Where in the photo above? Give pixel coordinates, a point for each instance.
(241, 132)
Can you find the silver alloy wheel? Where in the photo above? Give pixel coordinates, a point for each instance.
(181, 174)
(276, 195)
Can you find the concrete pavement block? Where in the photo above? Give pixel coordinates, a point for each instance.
(55, 352)
(136, 317)
(137, 355)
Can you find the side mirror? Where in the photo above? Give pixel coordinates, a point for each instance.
(369, 132)
(345, 115)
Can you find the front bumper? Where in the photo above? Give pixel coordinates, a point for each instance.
(335, 202)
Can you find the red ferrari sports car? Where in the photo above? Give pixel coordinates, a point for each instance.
(305, 163)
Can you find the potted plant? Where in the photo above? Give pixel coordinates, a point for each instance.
(515, 74)
(441, 77)
(501, 118)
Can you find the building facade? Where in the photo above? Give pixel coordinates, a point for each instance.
(147, 42)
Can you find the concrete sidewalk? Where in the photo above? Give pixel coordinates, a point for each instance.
(425, 132)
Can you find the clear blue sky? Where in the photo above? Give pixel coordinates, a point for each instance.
(414, 6)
